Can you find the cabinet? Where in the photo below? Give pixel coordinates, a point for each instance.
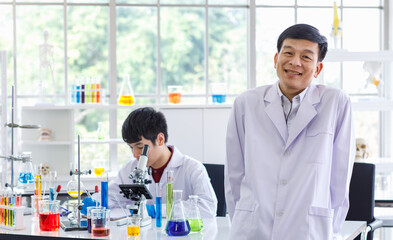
(58, 152)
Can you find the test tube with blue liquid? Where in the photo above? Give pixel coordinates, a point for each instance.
(104, 191)
(158, 205)
(52, 185)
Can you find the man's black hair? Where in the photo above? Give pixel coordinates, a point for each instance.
(144, 122)
(306, 32)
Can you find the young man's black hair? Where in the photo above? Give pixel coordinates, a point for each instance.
(306, 32)
(144, 122)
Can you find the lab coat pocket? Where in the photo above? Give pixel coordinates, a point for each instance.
(319, 142)
(320, 223)
(244, 214)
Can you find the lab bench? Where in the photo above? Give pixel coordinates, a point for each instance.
(215, 229)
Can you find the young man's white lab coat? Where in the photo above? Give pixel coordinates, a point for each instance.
(189, 175)
(289, 185)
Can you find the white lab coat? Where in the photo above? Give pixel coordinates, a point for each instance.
(189, 175)
(294, 185)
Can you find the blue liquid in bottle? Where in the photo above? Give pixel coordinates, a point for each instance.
(178, 228)
(26, 178)
(158, 212)
(219, 98)
(52, 194)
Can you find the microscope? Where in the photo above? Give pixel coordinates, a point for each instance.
(138, 191)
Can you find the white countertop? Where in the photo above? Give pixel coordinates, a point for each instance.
(216, 229)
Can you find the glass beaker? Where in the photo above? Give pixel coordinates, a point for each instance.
(174, 94)
(49, 215)
(89, 209)
(26, 170)
(35, 199)
(99, 167)
(126, 96)
(177, 224)
(100, 222)
(218, 92)
(194, 215)
(134, 226)
(72, 187)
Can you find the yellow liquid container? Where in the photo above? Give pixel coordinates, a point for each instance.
(98, 171)
(74, 194)
(126, 100)
(133, 230)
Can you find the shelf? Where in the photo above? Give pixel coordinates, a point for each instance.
(343, 56)
(116, 106)
(105, 141)
(372, 105)
(46, 143)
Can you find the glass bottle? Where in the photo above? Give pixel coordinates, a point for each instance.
(177, 224)
(194, 215)
(126, 96)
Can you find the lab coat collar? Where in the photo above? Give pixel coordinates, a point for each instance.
(176, 161)
(274, 111)
(304, 115)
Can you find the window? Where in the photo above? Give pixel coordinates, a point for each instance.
(176, 42)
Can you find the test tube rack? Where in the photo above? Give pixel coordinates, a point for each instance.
(11, 218)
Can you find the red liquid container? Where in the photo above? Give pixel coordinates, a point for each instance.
(49, 221)
(100, 232)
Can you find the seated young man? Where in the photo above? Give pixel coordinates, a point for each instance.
(147, 126)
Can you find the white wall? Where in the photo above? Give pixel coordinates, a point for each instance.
(198, 132)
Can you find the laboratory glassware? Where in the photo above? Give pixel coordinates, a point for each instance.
(169, 192)
(49, 215)
(88, 215)
(218, 92)
(174, 94)
(134, 225)
(100, 131)
(52, 185)
(26, 171)
(158, 205)
(177, 224)
(35, 199)
(104, 191)
(72, 187)
(194, 215)
(100, 222)
(126, 96)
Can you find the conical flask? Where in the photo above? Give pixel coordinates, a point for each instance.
(126, 96)
(194, 215)
(26, 171)
(177, 224)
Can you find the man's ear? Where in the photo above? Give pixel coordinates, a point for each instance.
(160, 139)
(318, 70)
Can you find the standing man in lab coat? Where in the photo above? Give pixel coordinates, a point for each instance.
(147, 126)
(290, 149)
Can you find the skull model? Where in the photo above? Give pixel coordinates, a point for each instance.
(361, 149)
(45, 168)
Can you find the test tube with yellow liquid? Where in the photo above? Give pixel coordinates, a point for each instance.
(126, 96)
